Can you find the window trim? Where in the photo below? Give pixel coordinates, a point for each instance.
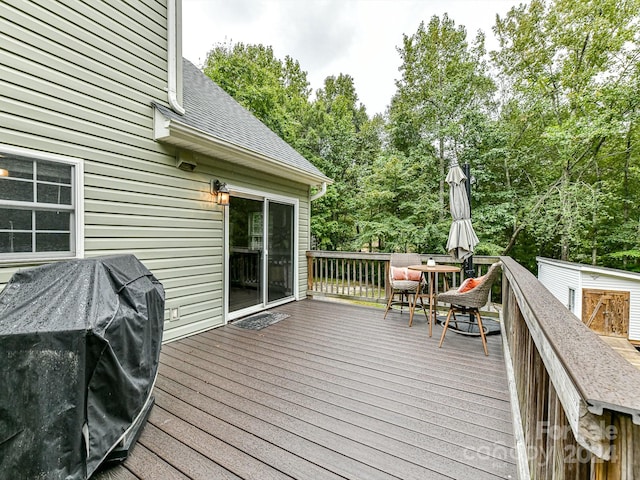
(571, 303)
(77, 193)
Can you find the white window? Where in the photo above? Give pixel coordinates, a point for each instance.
(571, 305)
(40, 205)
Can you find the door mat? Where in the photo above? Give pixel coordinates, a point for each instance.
(260, 320)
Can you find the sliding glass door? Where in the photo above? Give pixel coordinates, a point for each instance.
(280, 251)
(246, 253)
(261, 242)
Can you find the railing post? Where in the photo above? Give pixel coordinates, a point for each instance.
(387, 286)
(309, 272)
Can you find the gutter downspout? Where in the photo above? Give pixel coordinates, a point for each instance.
(172, 72)
(321, 193)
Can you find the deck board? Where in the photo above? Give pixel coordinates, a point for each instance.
(624, 348)
(386, 391)
(168, 440)
(142, 461)
(333, 391)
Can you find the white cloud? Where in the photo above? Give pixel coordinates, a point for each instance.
(329, 37)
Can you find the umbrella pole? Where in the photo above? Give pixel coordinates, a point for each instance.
(467, 265)
(468, 262)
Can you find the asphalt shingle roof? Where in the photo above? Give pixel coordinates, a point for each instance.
(210, 109)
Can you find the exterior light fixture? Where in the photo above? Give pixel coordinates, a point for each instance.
(4, 172)
(220, 192)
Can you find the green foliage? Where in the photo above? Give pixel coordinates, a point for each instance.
(443, 97)
(345, 139)
(570, 67)
(399, 208)
(549, 124)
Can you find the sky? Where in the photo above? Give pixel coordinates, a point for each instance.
(329, 37)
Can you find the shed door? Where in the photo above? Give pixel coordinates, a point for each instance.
(606, 312)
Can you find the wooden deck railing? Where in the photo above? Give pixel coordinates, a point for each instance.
(363, 276)
(577, 401)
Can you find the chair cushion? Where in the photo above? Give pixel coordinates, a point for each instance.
(405, 285)
(469, 284)
(403, 273)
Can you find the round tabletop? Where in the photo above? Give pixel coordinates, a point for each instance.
(435, 268)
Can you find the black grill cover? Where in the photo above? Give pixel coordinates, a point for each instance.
(79, 350)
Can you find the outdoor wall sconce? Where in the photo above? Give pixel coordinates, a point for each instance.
(220, 192)
(4, 172)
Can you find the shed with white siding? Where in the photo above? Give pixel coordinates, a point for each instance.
(574, 283)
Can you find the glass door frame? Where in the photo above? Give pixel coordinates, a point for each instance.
(264, 197)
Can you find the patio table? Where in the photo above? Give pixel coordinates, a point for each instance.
(431, 270)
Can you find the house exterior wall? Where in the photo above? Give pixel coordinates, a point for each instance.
(78, 79)
(558, 276)
(201, 303)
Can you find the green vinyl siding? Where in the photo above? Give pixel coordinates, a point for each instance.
(79, 79)
(81, 40)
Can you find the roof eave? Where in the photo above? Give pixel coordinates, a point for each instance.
(593, 270)
(177, 133)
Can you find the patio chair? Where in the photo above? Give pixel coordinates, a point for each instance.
(404, 282)
(468, 299)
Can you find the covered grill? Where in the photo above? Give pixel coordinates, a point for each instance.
(79, 351)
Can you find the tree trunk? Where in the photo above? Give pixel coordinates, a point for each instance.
(625, 188)
(507, 175)
(442, 176)
(512, 240)
(564, 253)
(564, 234)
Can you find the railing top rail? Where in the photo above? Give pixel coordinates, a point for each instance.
(478, 259)
(603, 378)
(347, 255)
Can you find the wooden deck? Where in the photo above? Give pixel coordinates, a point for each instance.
(333, 391)
(624, 348)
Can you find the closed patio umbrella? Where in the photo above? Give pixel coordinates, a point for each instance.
(462, 238)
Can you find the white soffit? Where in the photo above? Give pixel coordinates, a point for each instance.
(189, 138)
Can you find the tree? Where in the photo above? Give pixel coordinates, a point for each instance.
(397, 211)
(275, 91)
(346, 142)
(443, 89)
(551, 132)
(572, 71)
(440, 107)
(333, 131)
